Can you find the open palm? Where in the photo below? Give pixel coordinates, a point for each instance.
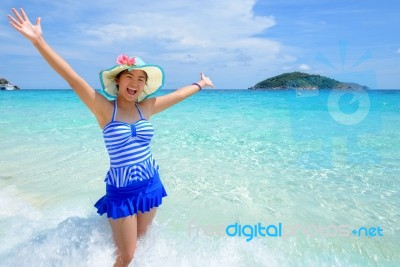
(22, 24)
(207, 81)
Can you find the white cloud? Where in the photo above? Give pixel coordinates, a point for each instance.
(219, 36)
(185, 26)
(304, 67)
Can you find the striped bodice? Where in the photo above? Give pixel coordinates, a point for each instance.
(128, 146)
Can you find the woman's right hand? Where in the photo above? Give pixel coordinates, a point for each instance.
(22, 24)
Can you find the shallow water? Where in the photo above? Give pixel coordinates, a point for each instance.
(320, 163)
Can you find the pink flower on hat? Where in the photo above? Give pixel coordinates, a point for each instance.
(125, 60)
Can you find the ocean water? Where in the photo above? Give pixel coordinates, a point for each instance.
(318, 170)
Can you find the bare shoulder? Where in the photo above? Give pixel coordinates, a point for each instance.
(146, 107)
(105, 115)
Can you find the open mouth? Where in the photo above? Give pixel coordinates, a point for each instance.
(132, 91)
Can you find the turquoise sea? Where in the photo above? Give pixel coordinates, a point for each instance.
(255, 178)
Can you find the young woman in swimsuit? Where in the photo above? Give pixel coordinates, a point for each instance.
(133, 185)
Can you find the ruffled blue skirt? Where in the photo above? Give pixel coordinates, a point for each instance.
(140, 196)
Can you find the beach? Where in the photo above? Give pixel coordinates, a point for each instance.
(322, 167)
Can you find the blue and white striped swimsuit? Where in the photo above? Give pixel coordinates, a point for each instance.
(132, 183)
(129, 148)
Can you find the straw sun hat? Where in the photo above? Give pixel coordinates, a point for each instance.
(155, 76)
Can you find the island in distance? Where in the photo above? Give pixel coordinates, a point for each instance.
(6, 85)
(305, 81)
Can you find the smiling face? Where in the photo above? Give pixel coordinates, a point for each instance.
(131, 83)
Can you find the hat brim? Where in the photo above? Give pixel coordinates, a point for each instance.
(155, 79)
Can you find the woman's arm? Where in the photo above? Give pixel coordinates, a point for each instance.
(93, 100)
(161, 103)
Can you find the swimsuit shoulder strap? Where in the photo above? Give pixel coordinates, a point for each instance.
(115, 111)
(140, 112)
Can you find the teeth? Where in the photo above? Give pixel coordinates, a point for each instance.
(131, 91)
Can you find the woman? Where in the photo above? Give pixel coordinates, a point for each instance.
(133, 186)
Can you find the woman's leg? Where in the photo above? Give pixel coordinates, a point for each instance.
(144, 220)
(125, 235)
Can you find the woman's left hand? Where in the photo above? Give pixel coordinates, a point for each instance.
(205, 81)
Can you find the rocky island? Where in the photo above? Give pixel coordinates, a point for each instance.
(300, 80)
(6, 85)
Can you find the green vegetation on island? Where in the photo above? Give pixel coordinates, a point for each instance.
(300, 80)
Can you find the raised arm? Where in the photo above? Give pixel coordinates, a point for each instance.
(93, 100)
(161, 103)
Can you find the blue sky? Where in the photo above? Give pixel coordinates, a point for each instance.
(236, 42)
